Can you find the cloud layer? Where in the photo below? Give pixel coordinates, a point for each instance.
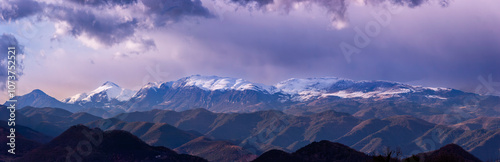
(14, 10)
(336, 9)
(105, 23)
(267, 40)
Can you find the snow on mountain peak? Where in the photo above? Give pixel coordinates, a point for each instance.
(75, 98)
(213, 83)
(151, 84)
(112, 90)
(295, 86)
(438, 88)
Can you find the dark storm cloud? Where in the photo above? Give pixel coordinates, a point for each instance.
(106, 22)
(259, 2)
(337, 9)
(408, 3)
(112, 27)
(13, 10)
(6, 41)
(106, 29)
(411, 3)
(164, 12)
(104, 2)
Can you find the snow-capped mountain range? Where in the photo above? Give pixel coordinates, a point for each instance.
(214, 83)
(365, 99)
(297, 89)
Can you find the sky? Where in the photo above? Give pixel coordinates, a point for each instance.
(72, 46)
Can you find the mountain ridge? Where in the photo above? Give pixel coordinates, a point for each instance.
(363, 99)
(271, 129)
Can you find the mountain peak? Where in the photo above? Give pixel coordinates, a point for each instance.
(110, 89)
(109, 83)
(38, 91)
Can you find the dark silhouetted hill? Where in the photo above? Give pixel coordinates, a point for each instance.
(326, 151)
(323, 151)
(450, 152)
(115, 146)
(213, 150)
